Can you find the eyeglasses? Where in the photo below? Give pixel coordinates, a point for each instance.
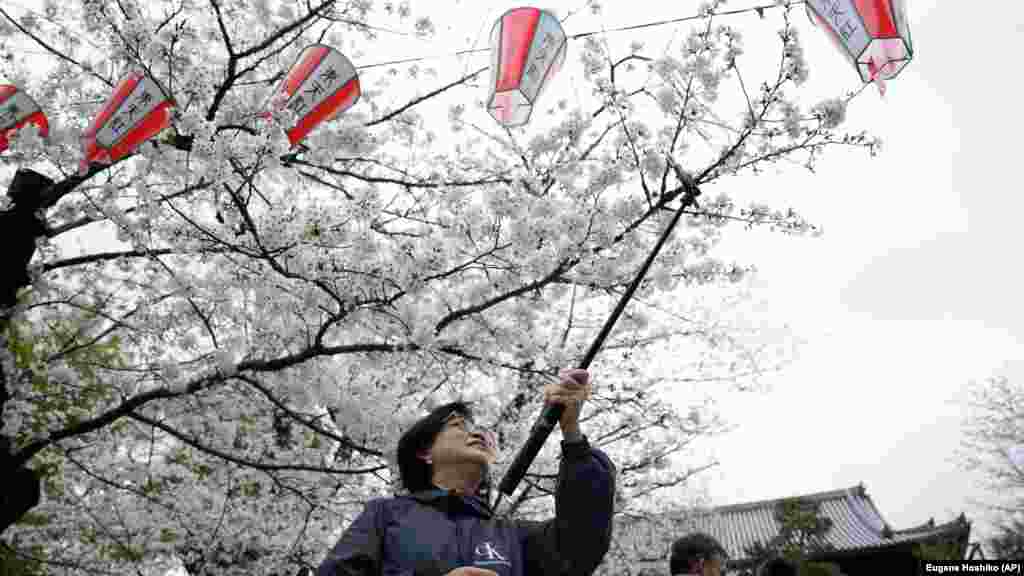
(471, 428)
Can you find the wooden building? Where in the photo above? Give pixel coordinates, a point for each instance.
(861, 542)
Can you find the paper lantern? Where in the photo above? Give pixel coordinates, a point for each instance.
(16, 110)
(874, 35)
(137, 110)
(321, 85)
(528, 47)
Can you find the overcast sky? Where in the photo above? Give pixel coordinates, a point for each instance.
(913, 289)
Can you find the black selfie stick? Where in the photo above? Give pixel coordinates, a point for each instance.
(553, 412)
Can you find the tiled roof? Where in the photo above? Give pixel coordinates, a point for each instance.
(856, 523)
(644, 541)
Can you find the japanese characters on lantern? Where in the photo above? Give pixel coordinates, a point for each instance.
(528, 47)
(138, 110)
(16, 110)
(321, 85)
(874, 35)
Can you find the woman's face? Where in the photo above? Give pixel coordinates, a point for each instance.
(460, 441)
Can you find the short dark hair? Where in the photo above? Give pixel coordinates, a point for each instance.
(692, 548)
(777, 567)
(417, 474)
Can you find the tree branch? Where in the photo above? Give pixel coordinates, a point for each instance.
(242, 461)
(53, 50)
(423, 98)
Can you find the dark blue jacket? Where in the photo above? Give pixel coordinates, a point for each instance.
(433, 532)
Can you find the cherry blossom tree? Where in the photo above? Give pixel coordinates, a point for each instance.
(216, 376)
(993, 445)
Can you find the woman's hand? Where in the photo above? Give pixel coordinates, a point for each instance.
(571, 391)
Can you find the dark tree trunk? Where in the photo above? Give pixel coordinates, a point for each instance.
(21, 226)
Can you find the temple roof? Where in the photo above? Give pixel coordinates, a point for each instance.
(856, 523)
(643, 539)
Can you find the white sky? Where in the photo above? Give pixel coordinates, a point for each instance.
(911, 292)
(908, 295)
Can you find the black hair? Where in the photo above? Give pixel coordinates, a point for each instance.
(417, 474)
(692, 548)
(777, 567)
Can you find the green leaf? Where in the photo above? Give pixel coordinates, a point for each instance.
(938, 551)
(34, 519)
(180, 457)
(122, 552)
(151, 487)
(251, 489)
(202, 471)
(12, 564)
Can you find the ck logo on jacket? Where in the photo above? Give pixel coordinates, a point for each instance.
(487, 554)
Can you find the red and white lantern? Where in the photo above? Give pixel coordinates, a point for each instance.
(874, 35)
(528, 47)
(321, 85)
(16, 110)
(138, 110)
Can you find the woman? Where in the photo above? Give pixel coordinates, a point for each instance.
(444, 528)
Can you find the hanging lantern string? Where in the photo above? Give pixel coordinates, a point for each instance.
(423, 58)
(759, 9)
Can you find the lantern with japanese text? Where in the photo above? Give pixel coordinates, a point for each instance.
(16, 110)
(321, 85)
(874, 35)
(528, 47)
(137, 110)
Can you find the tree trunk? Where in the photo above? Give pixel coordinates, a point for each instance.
(21, 227)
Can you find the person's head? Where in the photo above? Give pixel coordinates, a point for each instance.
(697, 553)
(445, 449)
(777, 567)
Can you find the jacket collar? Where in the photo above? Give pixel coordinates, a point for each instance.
(451, 501)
